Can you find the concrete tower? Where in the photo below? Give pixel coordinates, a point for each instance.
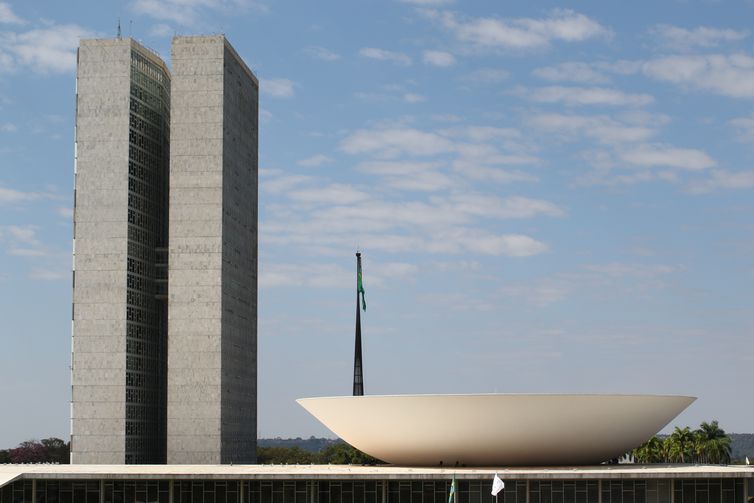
(212, 331)
(118, 410)
(164, 346)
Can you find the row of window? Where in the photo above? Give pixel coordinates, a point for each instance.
(141, 396)
(301, 491)
(147, 85)
(149, 99)
(139, 315)
(145, 128)
(142, 64)
(143, 157)
(144, 332)
(142, 189)
(143, 236)
(138, 347)
(145, 143)
(153, 116)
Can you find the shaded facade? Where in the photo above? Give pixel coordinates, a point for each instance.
(212, 309)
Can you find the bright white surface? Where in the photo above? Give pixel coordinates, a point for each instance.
(496, 430)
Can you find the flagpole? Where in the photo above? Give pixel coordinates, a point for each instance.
(358, 370)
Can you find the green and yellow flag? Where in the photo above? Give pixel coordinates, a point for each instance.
(452, 493)
(360, 286)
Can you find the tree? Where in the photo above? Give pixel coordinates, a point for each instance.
(30, 451)
(285, 456)
(343, 454)
(651, 451)
(681, 445)
(58, 450)
(336, 453)
(712, 444)
(48, 450)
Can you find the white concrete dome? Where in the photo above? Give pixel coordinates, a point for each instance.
(496, 429)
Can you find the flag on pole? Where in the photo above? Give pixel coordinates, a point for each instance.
(452, 494)
(747, 460)
(497, 485)
(360, 286)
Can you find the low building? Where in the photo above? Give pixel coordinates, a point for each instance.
(372, 484)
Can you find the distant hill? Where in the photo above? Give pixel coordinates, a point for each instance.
(742, 444)
(311, 444)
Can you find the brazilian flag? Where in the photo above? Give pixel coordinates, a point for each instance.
(360, 286)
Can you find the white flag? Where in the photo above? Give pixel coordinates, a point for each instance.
(497, 485)
(747, 460)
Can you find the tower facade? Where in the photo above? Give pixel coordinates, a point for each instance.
(164, 374)
(118, 411)
(212, 329)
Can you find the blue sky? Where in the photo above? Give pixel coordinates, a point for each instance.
(549, 197)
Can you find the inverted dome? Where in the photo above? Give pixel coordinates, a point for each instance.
(496, 429)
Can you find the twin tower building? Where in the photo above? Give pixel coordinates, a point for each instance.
(164, 349)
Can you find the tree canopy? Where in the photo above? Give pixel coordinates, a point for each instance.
(336, 453)
(707, 444)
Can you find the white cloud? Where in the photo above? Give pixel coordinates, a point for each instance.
(585, 96)
(619, 269)
(572, 72)
(8, 128)
(487, 76)
(596, 127)
(439, 58)
(321, 53)
(722, 179)
(393, 142)
(511, 245)
(162, 30)
(20, 234)
(191, 12)
(49, 274)
(12, 196)
(425, 3)
(414, 98)
(663, 155)
(45, 50)
(384, 55)
(334, 194)
(278, 88)
(278, 275)
(480, 171)
(64, 211)
(315, 160)
(745, 127)
(482, 206)
(409, 175)
(7, 16)
(447, 118)
(728, 75)
(325, 217)
(522, 33)
(539, 294)
(703, 36)
(280, 184)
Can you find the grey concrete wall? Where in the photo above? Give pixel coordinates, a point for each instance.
(212, 255)
(100, 241)
(195, 252)
(239, 264)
